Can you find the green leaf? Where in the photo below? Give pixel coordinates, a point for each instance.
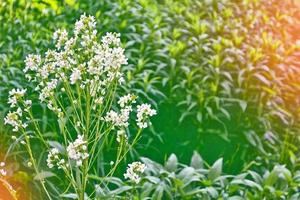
(57, 145)
(44, 174)
(274, 175)
(236, 198)
(196, 161)
(243, 105)
(249, 183)
(69, 196)
(171, 164)
(158, 194)
(121, 189)
(216, 170)
(186, 174)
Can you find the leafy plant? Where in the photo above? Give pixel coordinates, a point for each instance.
(78, 82)
(200, 181)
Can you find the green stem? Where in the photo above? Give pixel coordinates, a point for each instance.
(28, 147)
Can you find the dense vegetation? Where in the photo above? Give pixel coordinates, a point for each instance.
(223, 76)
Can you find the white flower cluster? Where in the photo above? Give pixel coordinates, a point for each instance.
(16, 100)
(143, 112)
(127, 99)
(3, 172)
(15, 95)
(32, 62)
(61, 36)
(13, 119)
(75, 76)
(84, 25)
(54, 159)
(80, 59)
(77, 150)
(119, 119)
(134, 170)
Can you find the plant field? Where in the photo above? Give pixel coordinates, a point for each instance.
(150, 99)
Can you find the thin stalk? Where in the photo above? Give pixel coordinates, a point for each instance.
(28, 147)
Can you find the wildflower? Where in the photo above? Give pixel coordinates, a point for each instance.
(28, 103)
(75, 76)
(84, 23)
(70, 44)
(125, 100)
(48, 90)
(13, 119)
(2, 170)
(121, 135)
(52, 155)
(77, 150)
(32, 62)
(119, 119)
(143, 112)
(134, 170)
(61, 36)
(99, 101)
(111, 39)
(46, 70)
(54, 159)
(15, 95)
(95, 65)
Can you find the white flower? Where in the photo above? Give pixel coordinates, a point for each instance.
(46, 70)
(114, 58)
(111, 39)
(134, 170)
(75, 76)
(52, 156)
(48, 90)
(3, 172)
(54, 159)
(28, 103)
(77, 150)
(121, 135)
(95, 65)
(99, 101)
(84, 23)
(69, 44)
(143, 112)
(13, 119)
(61, 36)
(32, 62)
(119, 119)
(125, 100)
(15, 95)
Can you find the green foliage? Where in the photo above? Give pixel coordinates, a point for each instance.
(225, 68)
(189, 182)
